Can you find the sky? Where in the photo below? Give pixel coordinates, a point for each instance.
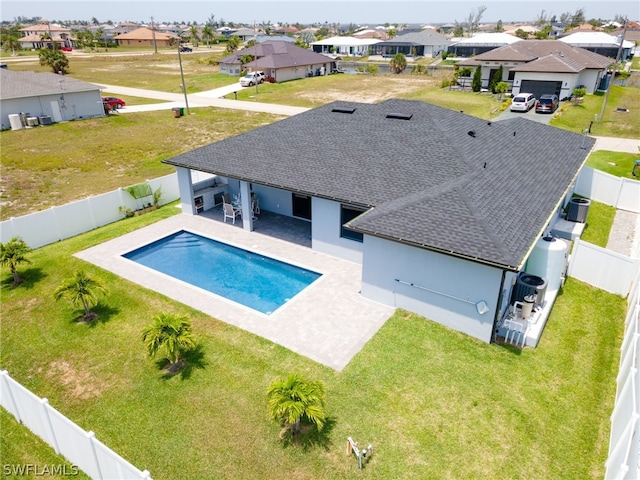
(359, 12)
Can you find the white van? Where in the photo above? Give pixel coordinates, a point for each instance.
(523, 102)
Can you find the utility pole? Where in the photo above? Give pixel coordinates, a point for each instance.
(183, 86)
(153, 35)
(613, 74)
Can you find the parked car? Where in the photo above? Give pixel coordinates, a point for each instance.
(547, 103)
(523, 102)
(252, 78)
(186, 49)
(66, 49)
(113, 102)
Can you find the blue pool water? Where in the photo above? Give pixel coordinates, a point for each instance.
(253, 280)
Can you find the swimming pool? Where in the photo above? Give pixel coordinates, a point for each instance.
(253, 280)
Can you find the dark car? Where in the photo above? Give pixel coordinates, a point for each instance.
(547, 103)
(186, 49)
(113, 102)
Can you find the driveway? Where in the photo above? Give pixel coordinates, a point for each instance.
(530, 115)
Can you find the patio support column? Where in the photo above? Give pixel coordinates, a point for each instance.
(185, 187)
(247, 214)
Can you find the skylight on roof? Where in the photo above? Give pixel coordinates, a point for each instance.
(400, 116)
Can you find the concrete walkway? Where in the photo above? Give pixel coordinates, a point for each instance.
(614, 144)
(209, 98)
(624, 237)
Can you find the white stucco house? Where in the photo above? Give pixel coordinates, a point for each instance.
(441, 210)
(351, 46)
(56, 97)
(542, 66)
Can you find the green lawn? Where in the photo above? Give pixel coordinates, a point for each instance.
(435, 403)
(578, 117)
(23, 449)
(68, 161)
(619, 164)
(598, 225)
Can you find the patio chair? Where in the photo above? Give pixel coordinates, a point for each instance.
(230, 212)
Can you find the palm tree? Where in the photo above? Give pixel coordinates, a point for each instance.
(81, 290)
(207, 34)
(398, 63)
(295, 399)
(12, 254)
(193, 34)
(171, 334)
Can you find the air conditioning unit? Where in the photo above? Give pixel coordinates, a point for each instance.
(32, 122)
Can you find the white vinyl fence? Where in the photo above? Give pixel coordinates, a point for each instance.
(58, 223)
(602, 268)
(622, 193)
(81, 448)
(624, 442)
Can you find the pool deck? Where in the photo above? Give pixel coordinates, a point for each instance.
(328, 322)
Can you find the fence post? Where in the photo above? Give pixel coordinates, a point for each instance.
(52, 434)
(57, 224)
(7, 385)
(92, 216)
(90, 436)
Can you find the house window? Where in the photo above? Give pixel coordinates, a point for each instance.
(512, 75)
(347, 214)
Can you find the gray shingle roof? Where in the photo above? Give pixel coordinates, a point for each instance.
(485, 197)
(32, 84)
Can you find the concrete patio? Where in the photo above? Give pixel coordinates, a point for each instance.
(328, 322)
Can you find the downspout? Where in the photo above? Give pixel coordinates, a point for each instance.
(498, 313)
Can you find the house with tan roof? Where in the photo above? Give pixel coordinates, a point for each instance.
(145, 37)
(43, 34)
(542, 66)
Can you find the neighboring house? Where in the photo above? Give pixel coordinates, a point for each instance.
(288, 30)
(484, 42)
(125, 27)
(423, 43)
(50, 95)
(108, 32)
(351, 46)
(601, 43)
(441, 209)
(45, 34)
(145, 37)
(245, 34)
(280, 61)
(379, 33)
(542, 66)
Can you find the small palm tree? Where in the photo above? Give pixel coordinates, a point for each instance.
(170, 333)
(294, 399)
(81, 290)
(12, 254)
(398, 63)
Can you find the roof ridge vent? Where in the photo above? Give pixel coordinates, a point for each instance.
(400, 116)
(343, 109)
